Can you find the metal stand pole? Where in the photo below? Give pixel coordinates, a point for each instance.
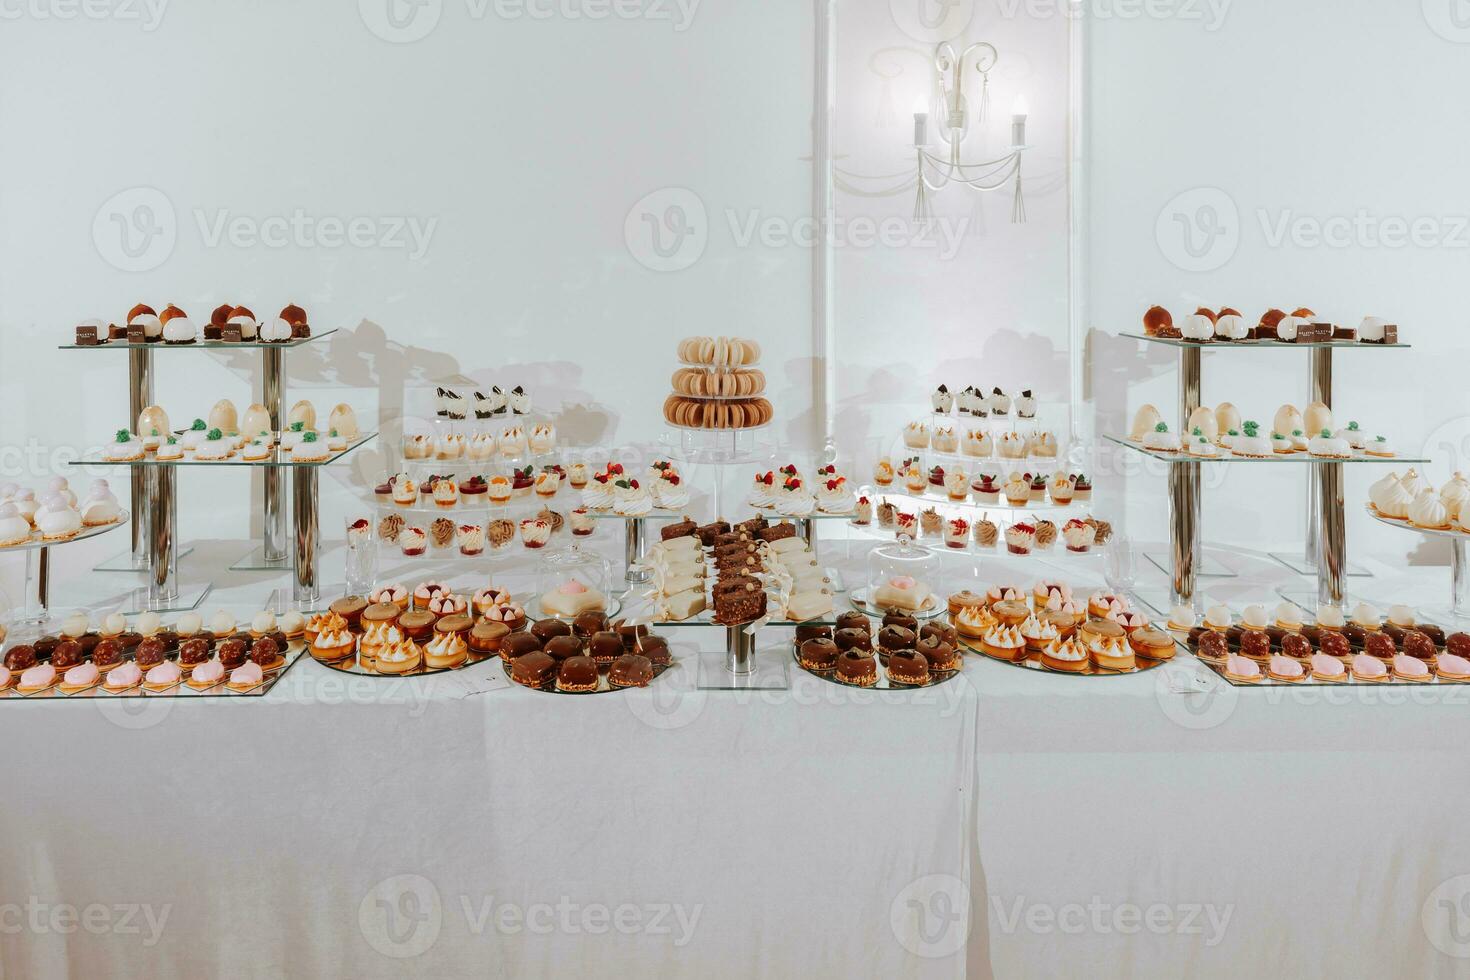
(163, 559)
(36, 608)
(1459, 581)
(1319, 384)
(739, 651)
(1184, 490)
(807, 528)
(1332, 554)
(273, 397)
(634, 551)
(305, 582)
(140, 396)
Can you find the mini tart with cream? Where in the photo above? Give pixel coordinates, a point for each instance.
(446, 651)
(1003, 643)
(1039, 634)
(1110, 653)
(1067, 655)
(974, 622)
(401, 658)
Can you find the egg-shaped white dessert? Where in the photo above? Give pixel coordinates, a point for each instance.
(224, 417)
(1146, 420)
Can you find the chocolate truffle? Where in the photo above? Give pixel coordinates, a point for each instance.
(655, 648)
(106, 654)
(150, 653)
(545, 629)
(1296, 647)
(804, 633)
(561, 648)
(1212, 646)
(588, 623)
(891, 638)
(232, 654)
(577, 674)
(857, 668)
(854, 621)
(940, 631)
(68, 654)
(908, 667)
(519, 645)
(853, 639)
(1419, 646)
(605, 647)
(1255, 645)
(901, 620)
(23, 657)
(533, 670)
(818, 654)
(191, 653)
(941, 655)
(1379, 645)
(264, 652)
(1457, 644)
(630, 670)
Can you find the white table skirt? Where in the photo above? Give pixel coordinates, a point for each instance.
(1103, 827)
(1122, 830)
(514, 833)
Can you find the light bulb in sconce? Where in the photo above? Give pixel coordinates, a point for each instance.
(921, 121)
(1018, 121)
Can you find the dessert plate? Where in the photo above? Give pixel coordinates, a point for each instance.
(884, 684)
(614, 605)
(295, 651)
(603, 685)
(933, 606)
(1033, 662)
(351, 666)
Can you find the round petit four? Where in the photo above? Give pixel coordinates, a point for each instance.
(1161, 439)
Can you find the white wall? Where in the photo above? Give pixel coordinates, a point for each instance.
(527, 145)
(978, 300)
(1310, 110)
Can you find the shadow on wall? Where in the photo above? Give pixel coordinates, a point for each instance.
(1430, 552)
(1117, 365)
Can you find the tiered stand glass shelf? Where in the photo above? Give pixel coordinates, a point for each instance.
(1325, 552)
(271, 553)
(160, 476)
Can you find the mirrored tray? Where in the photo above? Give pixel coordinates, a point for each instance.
(935, 606)
(604, 686)
(883, 683)
(1033, 662)
(352, 666)
(295, 651)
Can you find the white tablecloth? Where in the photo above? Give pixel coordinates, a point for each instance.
(1010, 823)
(512, 833)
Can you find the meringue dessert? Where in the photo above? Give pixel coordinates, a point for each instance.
(1161, 440)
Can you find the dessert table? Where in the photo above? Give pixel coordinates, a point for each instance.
(1008, 823)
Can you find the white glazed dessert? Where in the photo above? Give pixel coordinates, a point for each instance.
(215, 446)
(56, 520)
(304, 412)
(1327, 445)
(180, 330)
(1231, 327)
(1353, 436)
(1200, 445)
(1145, 421)
(1197, 327)
(1227, 417)
(1251, 443)
(1161, 440)
(124, 447)
(1379, 446)
(101, 506)
(344, 420)
(223, 417)
(256, 421)
(1203, 418)
(1317, 417)
(14, 529)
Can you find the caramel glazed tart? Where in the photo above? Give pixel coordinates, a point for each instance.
(691, 413)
